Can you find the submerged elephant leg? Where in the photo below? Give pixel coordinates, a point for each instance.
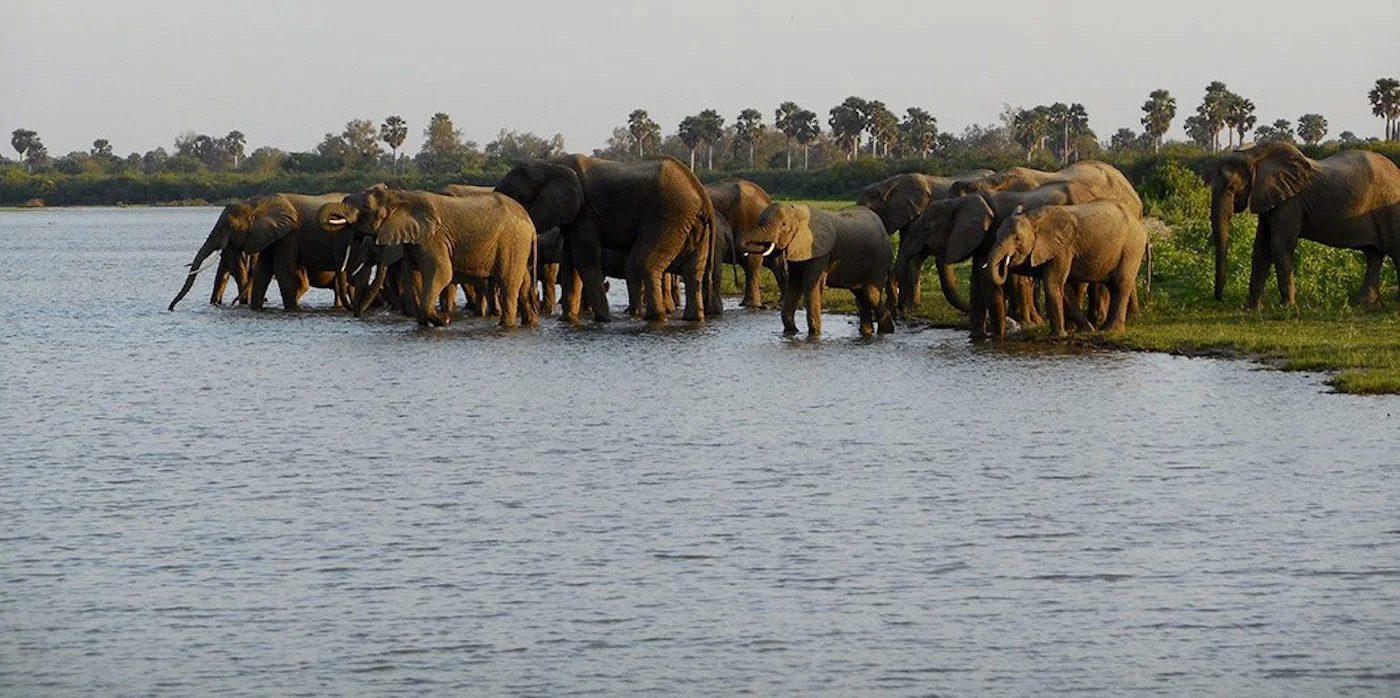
(868, 301)
(753, 292)
(549, 278)
(792, 292)
(436, 269)
(813, 294)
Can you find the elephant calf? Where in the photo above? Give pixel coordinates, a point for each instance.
(847, 249)
(1100, 242)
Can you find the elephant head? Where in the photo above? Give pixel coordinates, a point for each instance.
(897, 200)
(1260, 179)
(552, 194)
(1026, 240)
(787, 228)
(244, 226)
(949, 230)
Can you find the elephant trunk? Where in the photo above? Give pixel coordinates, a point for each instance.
(337, 215)
(364, 300)
(948, 281)
(998, 264)
(213, 244)
(1222, 208)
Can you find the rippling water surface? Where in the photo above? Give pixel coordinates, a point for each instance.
(220, 501)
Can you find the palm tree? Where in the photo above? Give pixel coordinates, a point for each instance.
(883, 126)
(689, 133)
(393, 131)
(233, 144)
(1028, 128)
(23, 140)
(1385, 103)
(847, 121)
(1239, 116)
(1158, 112)
(749, 128)
(919, 130)
(785, 119)
(1213, 109)
(642, 129)
(807, 130)
(1312, 128)
(711, 130)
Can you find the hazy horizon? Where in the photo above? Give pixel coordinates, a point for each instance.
(140, 73)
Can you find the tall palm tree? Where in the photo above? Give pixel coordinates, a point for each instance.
(847, 121)
(393, 132)
(689, 131)
(1312, 128)
(642, 129)
(1213, 109)
(233, 144)
(807, 130)
(1239, 116)
(749, 128)
(1158, 112)
(919, 130)
(23, 140)
(711, 130)
(1385, 103)
(785, 119)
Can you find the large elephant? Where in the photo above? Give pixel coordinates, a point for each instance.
(465, 189)
(447, 238)
(237, 265)
(954, 230)
(1103, 179)
(1349, 200)
(1101, 242)
(898, 200)
(846, 249)
(282, 230)
(655, 214)
(740, 202)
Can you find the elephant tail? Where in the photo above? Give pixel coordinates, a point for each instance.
(1147, 292)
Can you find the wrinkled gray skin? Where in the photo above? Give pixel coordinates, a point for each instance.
(1101, 242)
(1350, 200)
(655, 214)
(739, 203)
(957, 229)
(847, 249)
(282, 230)
(1105, 180)
(898, 200)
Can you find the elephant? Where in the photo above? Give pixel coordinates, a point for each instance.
(1103, 179)
(1349, 200)
(739, 203)
(465, 189)
(898, 200)
(953, 230)
(282, 230)
(237, 265)
(1102, 242)
(654, 214)
(448, 239)
(846, 249)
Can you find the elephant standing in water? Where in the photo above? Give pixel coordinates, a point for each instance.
(447, 238)
(281, 229)
(954, 230)
(740, 202)
(1101, 242)
(847, 249)
(898, 200)
(1349, 200)
(653, 215)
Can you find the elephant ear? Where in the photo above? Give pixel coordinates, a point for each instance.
(1054, 231)
(273, 219)
(407, 223)
(969, 220)
(1281, 174)
(810, 238)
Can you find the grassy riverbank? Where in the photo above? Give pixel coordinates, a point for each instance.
(1360, 346)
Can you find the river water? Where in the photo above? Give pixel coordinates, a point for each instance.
(217, 501)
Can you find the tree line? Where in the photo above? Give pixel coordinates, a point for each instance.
(797, 139)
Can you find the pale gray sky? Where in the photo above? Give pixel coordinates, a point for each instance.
(140, 72)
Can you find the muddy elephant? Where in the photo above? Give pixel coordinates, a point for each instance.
(954, 230)
(1105, 180)
(447, 239)
(655, 214)
(1350, 200)
(739, 203)
(846, 249)
(1101, 242)
(281, 229)
(898, 200)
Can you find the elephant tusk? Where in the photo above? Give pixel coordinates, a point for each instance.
(987, 265)
(194, 271)
(337, 220)
(345, 262)
(771, 247)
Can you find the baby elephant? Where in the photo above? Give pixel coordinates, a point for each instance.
(1096, 242)
(847, 249)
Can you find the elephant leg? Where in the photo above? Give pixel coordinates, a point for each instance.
(1370, 291)
(996, 308)
(864, 311)
(980, 291)
(699, 296)
(549, 277)
(1055, 300)
(262, 277)
(572, 294)
(1075, 291)
(1260, 260)
(216, 297)
(291, 281)
(437, 275)
(1283, 243)
(753, 293)
(1023, 290)
(655, 297)
(878, 312)
(792, 291)
(813, 294)
(1120, 290)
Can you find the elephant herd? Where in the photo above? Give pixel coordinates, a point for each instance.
(576, 221)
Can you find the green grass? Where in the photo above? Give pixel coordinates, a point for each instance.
(1360, 346)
